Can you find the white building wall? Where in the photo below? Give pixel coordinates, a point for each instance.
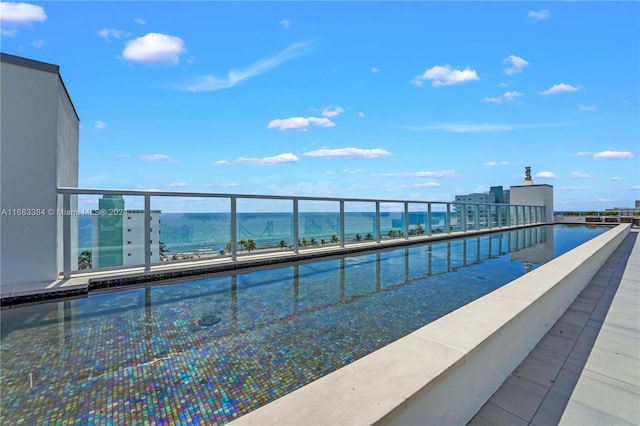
(133, 238)
(38, 136)
(535, 195)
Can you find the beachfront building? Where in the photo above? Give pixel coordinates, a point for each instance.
(38, 153)
(118, 234)
(496, 194)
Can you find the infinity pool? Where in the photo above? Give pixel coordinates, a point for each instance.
(213, 349)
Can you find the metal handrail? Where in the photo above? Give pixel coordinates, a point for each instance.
(521, 214)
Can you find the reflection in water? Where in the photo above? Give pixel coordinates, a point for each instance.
(144, 354)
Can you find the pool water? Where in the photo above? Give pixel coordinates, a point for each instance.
(210, 350)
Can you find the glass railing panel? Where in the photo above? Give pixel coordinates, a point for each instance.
(512, 215)
(494, 216)
(318, 223)
(392, 220)
(107, 231)
(264, 225)
(359, 221)
(190, 228)
(459, 214)
(438, 218)
(417, 219)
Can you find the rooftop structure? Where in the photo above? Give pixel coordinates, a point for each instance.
(39, 153)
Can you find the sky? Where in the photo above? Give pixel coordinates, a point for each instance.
(389, 100)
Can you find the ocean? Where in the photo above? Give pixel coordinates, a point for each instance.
(194, 232)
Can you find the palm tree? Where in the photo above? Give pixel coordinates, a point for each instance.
(368, 237)
(242, 243)
(163, 249)
(303, 242)
(282, 244)
(323, 241)
(85, 260)
(335, 239)
(313, 242)
(250, 245)
(227, 247)
(358, 237)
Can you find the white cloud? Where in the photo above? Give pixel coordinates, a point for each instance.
(495, 163)
(587, 108)
(375, 69)
(109, 33)
(266, 161)
(177, 185)
(539, 15)
(509, 96)
(155, 49)
(13, 13)
(615, 178)
(612, 155)
(582, 153)
(210, 82)
(37, 43)
(348, 153)
(140, 21)
(100, 124)
(421, 185)
(516, 64)
(361, 114)
(157, 158)
(8, 33)
(445, 76)
(635, 188)
(578, 175)
(482, 127)
(285, 24)
(352, 171)
(504, 84)
(428, 174)
(546, 175)
(299, 123)
(559, 88)
(328, 112)
(123, 155)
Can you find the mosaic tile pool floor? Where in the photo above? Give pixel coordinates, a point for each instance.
(142, 356)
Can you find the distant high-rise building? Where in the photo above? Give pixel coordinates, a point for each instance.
(118, 234)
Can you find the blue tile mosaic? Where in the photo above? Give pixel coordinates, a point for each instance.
(143, 356)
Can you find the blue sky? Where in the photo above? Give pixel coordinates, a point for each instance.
(415, 100)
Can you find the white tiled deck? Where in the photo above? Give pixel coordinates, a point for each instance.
(586, 370)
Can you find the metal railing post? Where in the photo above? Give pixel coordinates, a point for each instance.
(234, 228)
(147, 233)
(378, 221)
(295, 226)
(405, 223)
(66, 236)
(448, 218)
(428, 219)
(342, 223)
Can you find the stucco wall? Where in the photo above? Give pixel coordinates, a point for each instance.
(38, 130)
(537, 195)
